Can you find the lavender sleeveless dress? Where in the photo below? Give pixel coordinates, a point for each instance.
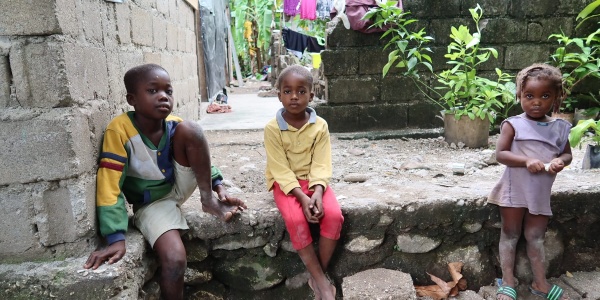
(520, 188)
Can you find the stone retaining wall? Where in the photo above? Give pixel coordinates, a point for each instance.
(61, 82)
(360, 99)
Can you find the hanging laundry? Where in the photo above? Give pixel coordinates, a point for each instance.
(297, 42)
(290, 7)
(308, 9)
(356, 9)
(324, 8)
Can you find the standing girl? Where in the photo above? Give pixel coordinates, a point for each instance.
(534, 147)
(298, 172)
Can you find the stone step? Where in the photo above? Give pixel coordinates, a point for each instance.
(67, 279)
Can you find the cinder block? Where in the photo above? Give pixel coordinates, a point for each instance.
(362, 89)
(572, 7)
(190, 41)
(433, 8)
(171, 36)
(490, 7)
(39, 74)
(86, 69)
(424, 115)
(173, 9)
(340, 62)
(340, 118)
(67, 212)
(152, 58)
(372, 60)
(504, 30)
(45, 146)
(70, 14)
(177, 73)
(159, 30)
(18, 227)
(109, 29)
(520, 56)
(534, 8)
(93, 14)
(439, 29)
(44, 218)
(399, 89)
(181, 38)
(382, 116)
(16, 18)
(339, 36)
(5, 80)
(163, 6)
(123, 12)
(141, 26)
(540, 29)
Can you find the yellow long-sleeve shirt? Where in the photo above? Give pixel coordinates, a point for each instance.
(294, 154)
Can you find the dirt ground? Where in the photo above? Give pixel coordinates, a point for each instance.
(365, 168)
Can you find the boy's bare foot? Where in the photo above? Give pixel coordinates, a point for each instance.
(224, 209)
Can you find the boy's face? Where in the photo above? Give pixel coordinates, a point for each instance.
(295, 93)
(153, 96)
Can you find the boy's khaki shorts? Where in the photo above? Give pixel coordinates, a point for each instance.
(165, 214)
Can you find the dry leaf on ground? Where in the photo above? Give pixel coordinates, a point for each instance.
(443, 289)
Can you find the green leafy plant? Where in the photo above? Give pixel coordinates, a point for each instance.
(577, 58)
(410, 47)
(585, 129)
(460, 91)
(252, 49)
(586, 13)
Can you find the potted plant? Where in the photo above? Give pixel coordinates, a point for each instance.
(469, 102)
(587, 130)
(578, 59)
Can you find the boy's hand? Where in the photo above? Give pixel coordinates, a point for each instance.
(112, 254)
(223, 196)
(556, 165)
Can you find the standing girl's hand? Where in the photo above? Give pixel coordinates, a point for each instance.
(556, 165)
(534, 165)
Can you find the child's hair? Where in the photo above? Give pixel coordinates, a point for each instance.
(295, 69)
(135, 74)
(541, 71)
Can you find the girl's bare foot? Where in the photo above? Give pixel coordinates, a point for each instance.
(313, 287)
(328, 291)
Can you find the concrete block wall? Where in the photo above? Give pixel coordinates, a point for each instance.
(61, 81)
(360, 99)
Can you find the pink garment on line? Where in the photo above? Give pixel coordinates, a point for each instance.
(308, 9)
(290, 7)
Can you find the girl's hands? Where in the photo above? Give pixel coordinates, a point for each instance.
(534, 165)
(556, 165)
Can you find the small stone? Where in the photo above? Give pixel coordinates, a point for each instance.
(356, 152)
(355, 177)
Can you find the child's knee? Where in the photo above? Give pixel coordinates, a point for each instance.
(174, 264)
